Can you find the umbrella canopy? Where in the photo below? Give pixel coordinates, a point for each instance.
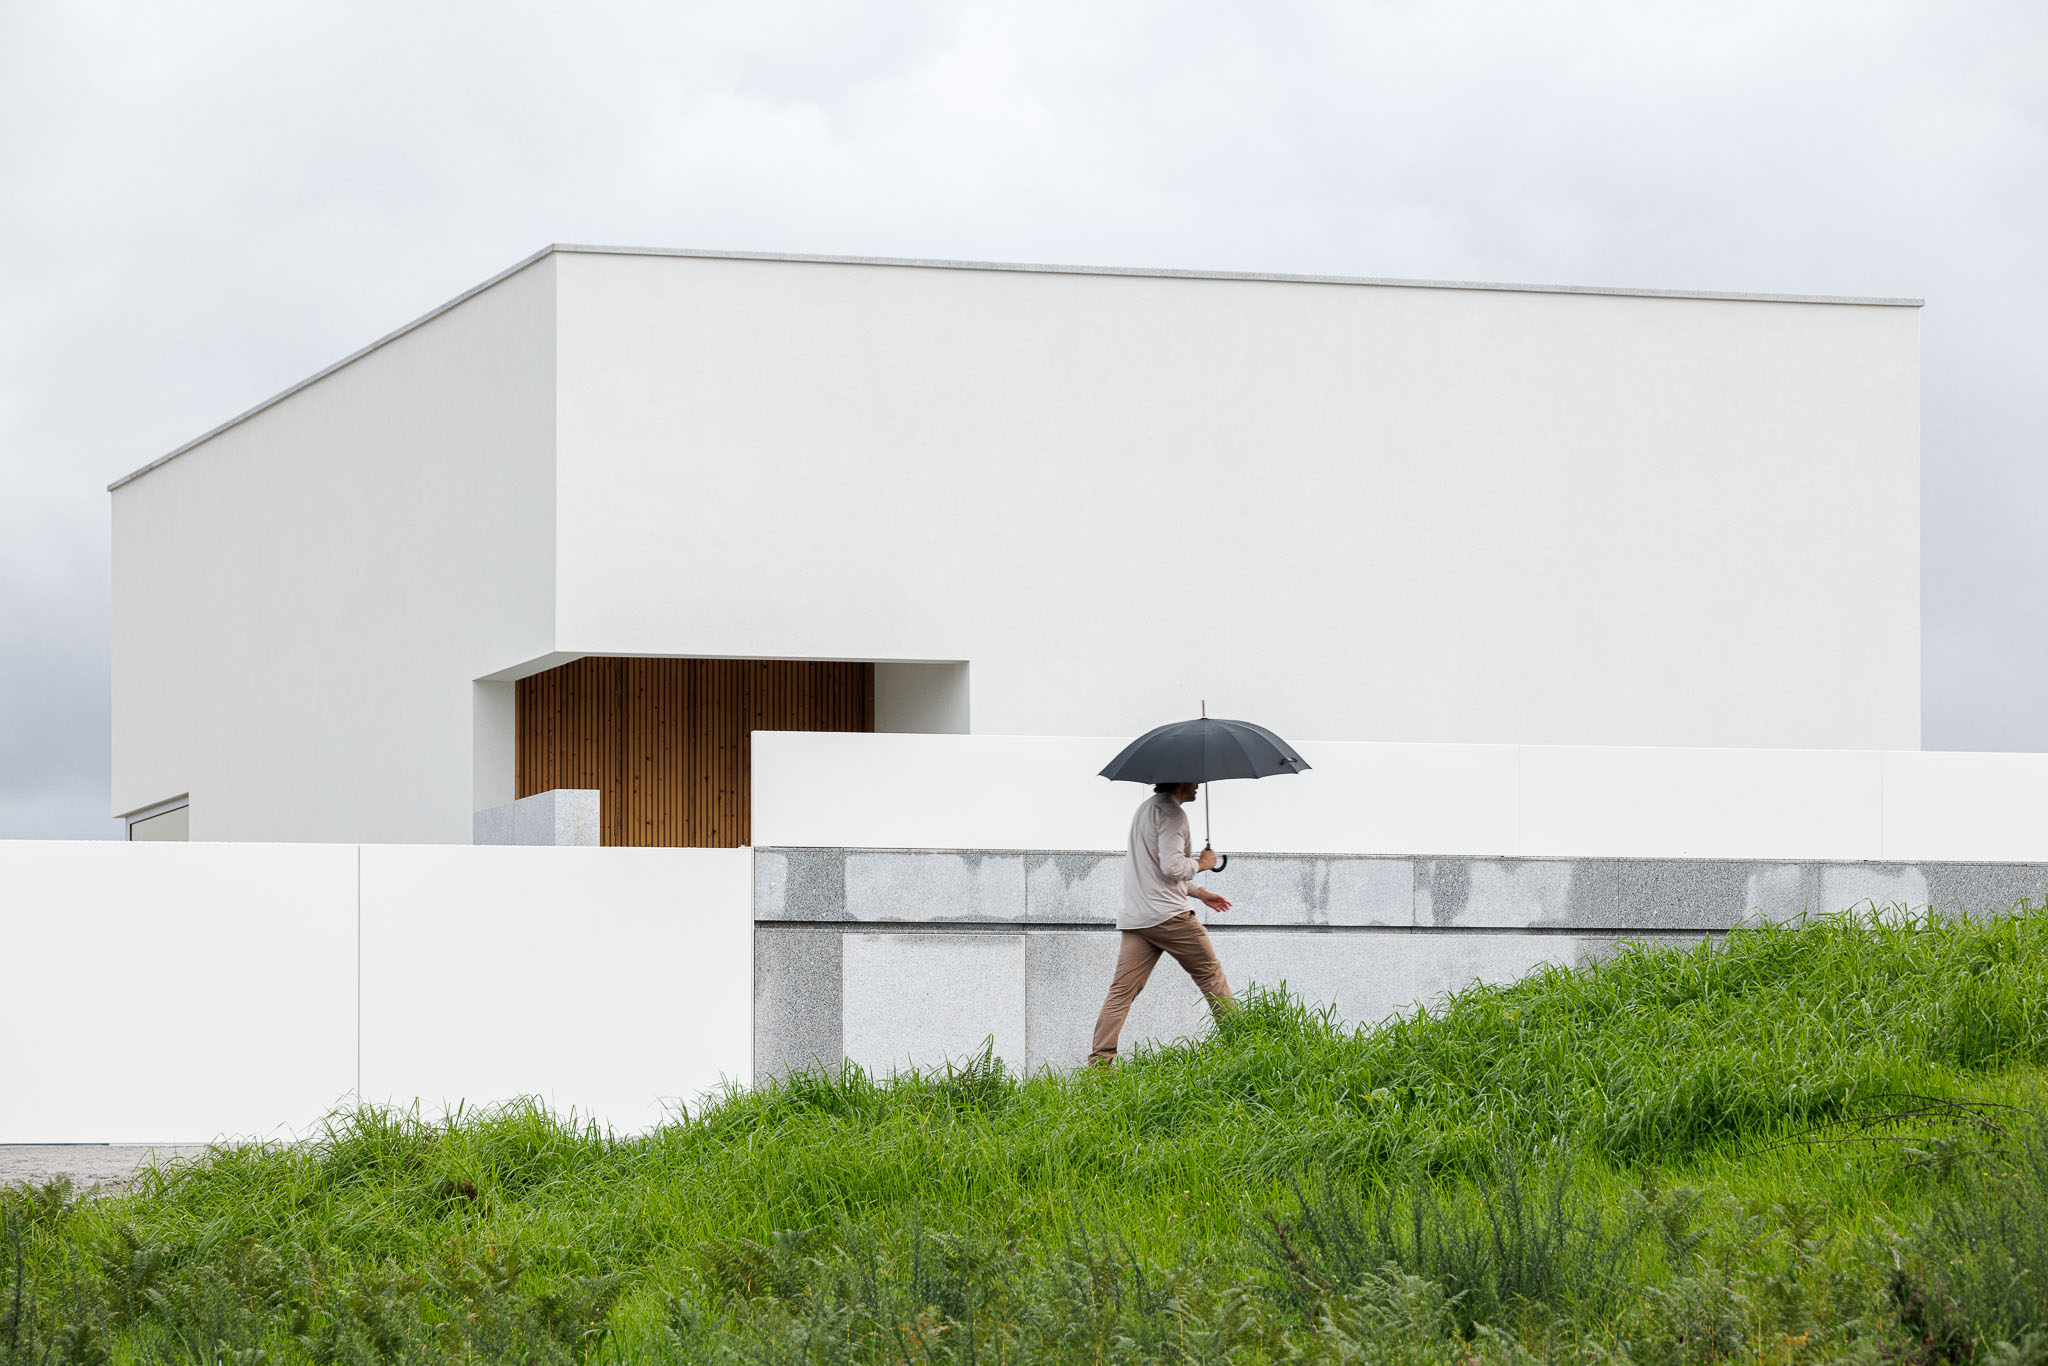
(1205, 750)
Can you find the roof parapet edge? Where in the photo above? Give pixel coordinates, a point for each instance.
(1175, 273)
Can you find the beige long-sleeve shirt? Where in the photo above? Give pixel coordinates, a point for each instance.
(1161, 867)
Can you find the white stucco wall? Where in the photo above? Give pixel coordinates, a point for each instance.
(1357, 512)
(302, 602)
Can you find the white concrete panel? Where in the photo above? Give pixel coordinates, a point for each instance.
(1978, 807)
(1700, 803)
(921, 1000)
(1479, 516)
(613, 982)
(1365, 798)
(832, 789)
(822, 790)
(170, 992)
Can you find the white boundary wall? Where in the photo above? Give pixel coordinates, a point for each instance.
(179, 992)
(1026, 792)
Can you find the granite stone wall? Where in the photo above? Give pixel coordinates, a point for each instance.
(901, 958)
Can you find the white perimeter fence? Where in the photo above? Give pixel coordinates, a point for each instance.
(160, 992)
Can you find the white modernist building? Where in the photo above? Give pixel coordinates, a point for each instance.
(1011, 500)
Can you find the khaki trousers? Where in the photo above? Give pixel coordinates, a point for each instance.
(1184, 938)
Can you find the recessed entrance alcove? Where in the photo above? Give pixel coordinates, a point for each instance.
(666, 742)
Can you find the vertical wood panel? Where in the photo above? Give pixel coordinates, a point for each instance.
(665, 741)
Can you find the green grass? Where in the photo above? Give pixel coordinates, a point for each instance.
(1597, 1163)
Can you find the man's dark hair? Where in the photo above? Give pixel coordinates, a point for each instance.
(1163, 788)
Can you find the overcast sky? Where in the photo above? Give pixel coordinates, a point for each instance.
(201, 204)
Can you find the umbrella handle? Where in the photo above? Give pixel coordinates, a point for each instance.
(1222, 860)
(1207, 846)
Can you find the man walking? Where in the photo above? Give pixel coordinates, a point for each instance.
(1156, 918)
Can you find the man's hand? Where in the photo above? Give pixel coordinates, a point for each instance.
(1210, 899)
(1207, 861)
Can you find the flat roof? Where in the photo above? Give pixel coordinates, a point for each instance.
(1017, 266)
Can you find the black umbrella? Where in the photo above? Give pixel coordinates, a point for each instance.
(1205, 750)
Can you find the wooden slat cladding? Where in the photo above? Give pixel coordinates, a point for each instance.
(665, 741)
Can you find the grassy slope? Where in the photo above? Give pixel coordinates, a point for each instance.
(1656, 1065)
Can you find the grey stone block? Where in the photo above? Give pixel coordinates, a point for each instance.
(1517, 893)
(1371, 891)
(1073, 889)
(1852, 886)
(1364, 978)
(1984, 888)
(797, 1009)
(565, 816)
(771, 883)
(1449, 963)
(492, 825)
(1699, 894)
(1778, 892)
(934, 885)
(800, 884)
(577, 817)
(912, 1001)
(1592, 948)
(562, 816)
(1712, 895)
(1265, 890)
(1067, 976)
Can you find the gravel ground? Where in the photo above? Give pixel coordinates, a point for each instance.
(105, 1165)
